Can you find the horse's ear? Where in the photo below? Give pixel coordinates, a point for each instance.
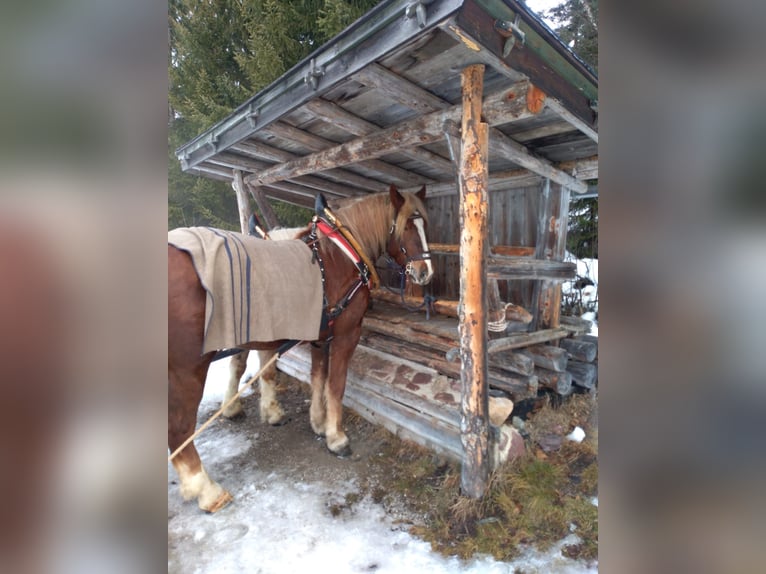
(421, 195)
(396, 198)
(320, 204)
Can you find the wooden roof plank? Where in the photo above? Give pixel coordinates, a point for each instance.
(419, 131)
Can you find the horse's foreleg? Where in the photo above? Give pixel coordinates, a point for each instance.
(271, 410)
(183, 401)
(237, 368)
(340, 355)
(318, 411)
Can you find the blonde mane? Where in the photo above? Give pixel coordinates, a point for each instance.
(369, 219)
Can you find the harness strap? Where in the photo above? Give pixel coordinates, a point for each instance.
(372, 280)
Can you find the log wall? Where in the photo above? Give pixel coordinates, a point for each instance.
(513, 221)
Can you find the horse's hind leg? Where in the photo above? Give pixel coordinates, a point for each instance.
(186, 379)
(318, 411)
(184, 396)
(271, 410)
(237, 368)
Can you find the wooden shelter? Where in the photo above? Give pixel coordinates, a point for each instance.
(482, 103)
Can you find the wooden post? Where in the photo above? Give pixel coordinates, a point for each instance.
(243, 204)
(269, 217)
(551, 245)
(474, 422)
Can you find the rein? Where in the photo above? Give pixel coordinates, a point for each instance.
(406, 269)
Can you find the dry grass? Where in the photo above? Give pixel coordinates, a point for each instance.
(533, 500)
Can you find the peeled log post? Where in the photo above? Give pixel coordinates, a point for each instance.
(474, 422)
(243, 205)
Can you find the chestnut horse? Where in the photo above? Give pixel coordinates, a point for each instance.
(392, 223)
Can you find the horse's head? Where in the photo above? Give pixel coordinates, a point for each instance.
(407, 243)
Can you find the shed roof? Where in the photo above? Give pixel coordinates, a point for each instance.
(380, 104)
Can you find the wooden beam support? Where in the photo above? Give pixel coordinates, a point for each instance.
(318, 143)
(571, 119)
(336, 115)
(474, 204)
(416, 132)
(269, 217)
(551, 246)
(517, 153)
(243, 204)
(414, 97)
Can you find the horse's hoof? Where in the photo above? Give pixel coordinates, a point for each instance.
(343, 453)
(281, 422)
(221, 502)
(236, 416)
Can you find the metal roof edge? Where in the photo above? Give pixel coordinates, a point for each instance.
(376, 20)
(504, 8)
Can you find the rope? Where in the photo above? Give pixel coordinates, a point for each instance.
(500, 325)
(220, 411)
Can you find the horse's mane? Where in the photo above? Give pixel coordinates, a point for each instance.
(369, 219)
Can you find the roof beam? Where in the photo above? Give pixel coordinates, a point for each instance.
(318, 143)
(415, 132)
(408, 94)
(336, 115)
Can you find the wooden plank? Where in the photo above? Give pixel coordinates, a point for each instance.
(519, 386)
(526, 268)
(518, 340)
(415, 132)
(579, 350)
(516, 152)
(474, 153)
(407, 333)
(503, 250)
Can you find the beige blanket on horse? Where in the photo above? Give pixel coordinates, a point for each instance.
(256, 290)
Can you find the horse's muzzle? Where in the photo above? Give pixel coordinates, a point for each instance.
(420, 272)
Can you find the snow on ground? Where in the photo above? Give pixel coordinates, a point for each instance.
(281, 525)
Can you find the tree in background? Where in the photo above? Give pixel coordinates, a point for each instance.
(221, 52)
(578, 28)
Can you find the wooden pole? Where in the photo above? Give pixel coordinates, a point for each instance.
(269, 217)
(474, 423)
(243, 204)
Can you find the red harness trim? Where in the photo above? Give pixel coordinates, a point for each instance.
(337, 237)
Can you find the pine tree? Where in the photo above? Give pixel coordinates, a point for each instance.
(578, 28)
(222, 52)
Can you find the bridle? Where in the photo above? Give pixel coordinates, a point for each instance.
(425, 255)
